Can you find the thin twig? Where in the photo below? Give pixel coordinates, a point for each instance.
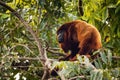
(116, 57)
(81, 77)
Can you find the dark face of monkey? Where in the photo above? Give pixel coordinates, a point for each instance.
(60, 36)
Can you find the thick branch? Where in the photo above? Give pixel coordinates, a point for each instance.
(36, 58)
(31, 58)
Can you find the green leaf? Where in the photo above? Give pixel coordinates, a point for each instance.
(103, 57)
(104, 14)
(107, 75)
(96, 64)
(100, 63)
(93, 75)
(109, 55)
(116, 72)
(5, 16)
(99, 75)
(117, 10)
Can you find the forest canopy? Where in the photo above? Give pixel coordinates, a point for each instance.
(29, 49)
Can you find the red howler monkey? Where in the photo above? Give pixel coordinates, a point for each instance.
(78, 37)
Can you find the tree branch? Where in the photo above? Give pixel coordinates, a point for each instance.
(80, 8)
(36, 58)
(81, 77)
(116, 57)
(53, 50)
(56, 52)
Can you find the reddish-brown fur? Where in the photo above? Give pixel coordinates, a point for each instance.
(80, 38)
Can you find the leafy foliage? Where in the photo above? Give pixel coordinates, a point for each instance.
(100, 69)
(45, 16)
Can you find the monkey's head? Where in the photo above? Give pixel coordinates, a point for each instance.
(62, 39)
(67, 37)
(62, 33)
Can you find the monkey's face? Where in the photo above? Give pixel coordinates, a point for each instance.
(60, 36)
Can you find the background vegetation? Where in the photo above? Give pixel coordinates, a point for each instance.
(19, 54)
